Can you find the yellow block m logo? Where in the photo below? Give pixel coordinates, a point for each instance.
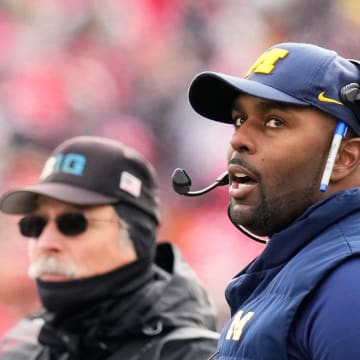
(237, 325)
(265, 64)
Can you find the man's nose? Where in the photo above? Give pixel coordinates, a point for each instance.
(243, 138)
(50, 239)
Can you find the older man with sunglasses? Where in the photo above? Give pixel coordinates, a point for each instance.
(108, 290)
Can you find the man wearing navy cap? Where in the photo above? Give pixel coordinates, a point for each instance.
(108, 290)
(294, 174)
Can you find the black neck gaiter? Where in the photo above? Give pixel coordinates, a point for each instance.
(66, 298)
(85, 318)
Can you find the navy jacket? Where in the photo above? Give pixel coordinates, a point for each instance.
(300, 298)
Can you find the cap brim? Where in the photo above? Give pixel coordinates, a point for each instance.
(23, 201)
(212, 94)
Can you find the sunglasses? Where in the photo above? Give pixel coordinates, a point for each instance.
(69, 224)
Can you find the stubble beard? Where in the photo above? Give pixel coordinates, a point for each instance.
(272, 214)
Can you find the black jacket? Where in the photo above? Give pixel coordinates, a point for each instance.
(170, 317)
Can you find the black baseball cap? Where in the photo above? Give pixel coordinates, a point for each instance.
(90, 170)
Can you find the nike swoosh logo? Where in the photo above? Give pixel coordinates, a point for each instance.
(323, 98)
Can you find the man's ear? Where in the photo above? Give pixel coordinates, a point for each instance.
(347, 160)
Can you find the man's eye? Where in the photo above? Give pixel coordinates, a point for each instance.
(274, 123)
(239, 120)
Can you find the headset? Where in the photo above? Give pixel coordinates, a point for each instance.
(181, 183)
(349, 95)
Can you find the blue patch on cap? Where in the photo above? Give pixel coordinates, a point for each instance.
(70, 163)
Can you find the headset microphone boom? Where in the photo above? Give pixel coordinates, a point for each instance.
(181, 183)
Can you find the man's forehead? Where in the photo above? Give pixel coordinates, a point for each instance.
(263, 104)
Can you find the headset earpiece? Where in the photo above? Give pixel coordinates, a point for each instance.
(350, 96)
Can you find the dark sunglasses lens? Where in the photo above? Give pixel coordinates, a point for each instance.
(32, 226)
(72, 224)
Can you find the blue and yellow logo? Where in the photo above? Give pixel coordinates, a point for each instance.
(265, 64)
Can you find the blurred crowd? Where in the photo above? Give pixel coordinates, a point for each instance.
(121, 69)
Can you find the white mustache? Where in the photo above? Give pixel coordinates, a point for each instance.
(51, 265)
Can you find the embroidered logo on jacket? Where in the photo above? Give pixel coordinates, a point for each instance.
(237, 325)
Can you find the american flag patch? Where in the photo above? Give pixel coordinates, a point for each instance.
(130, 183)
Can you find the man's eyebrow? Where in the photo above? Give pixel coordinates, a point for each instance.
(266, 105)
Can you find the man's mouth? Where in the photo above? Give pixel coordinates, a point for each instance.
(240, 178)
(242, 182)
(54, 277)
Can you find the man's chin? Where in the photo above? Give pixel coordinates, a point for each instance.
(245, 216)
(253, 227)
(241, 214)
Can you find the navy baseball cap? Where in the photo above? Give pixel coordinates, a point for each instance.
(294, 73)
(91, 170)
